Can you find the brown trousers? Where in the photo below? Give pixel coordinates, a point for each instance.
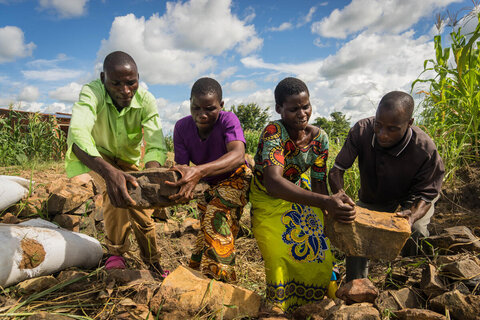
(119, 222)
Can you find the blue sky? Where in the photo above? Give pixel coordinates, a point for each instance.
(349, 53)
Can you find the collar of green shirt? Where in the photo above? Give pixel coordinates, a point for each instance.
(135, 104)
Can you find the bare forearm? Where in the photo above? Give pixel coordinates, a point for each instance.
(226, 163)
(335, 179)
(115, 179)
(286, 190)
(97, 164)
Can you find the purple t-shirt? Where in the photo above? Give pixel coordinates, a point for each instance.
(189, 147)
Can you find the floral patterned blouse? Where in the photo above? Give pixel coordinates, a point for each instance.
(275, 148)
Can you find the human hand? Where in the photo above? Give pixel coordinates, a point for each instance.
(341, 207)
(190, 176)
(116, 182)
(407, 214)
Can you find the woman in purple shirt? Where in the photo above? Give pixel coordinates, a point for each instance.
(212, 139)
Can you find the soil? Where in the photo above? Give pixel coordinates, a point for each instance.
(459, 205)
(33, 254)
(460, 202)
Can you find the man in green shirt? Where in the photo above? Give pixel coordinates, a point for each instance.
(105, 136)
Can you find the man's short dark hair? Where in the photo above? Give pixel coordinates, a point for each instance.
(205, 86)
(398, 100)
(117, 58)
(288, 87)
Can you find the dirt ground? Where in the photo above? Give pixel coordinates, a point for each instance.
(459, 205)
(460, 202)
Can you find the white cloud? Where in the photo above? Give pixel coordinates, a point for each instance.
(354, 78)
(12, 44)
(29, 93)
(357, 76)
(56, 74)
(301, 22)
(376, 16)
(57, 107)
(171, 112)
(306, 70)
(65, 9)
(35, 106)
(29, 106)
(264, 98)
(38, 63)
(241, 85)
(181, 45)
(470, 21)
(144, 85)
(306, 19)
(284, 26)
(250, 14)
(68, 93)
(225, 74)
(319, 43)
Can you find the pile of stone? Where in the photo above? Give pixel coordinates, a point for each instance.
(444, 280)
(449, 284)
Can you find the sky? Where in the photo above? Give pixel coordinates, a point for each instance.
(349, 53)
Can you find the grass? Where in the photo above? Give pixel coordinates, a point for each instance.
(30, 138)
(47, 301)
(450, 108)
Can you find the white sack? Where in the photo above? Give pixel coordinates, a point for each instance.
(12, 189)
(63, 249)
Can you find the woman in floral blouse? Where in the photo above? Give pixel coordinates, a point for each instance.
(287, 217)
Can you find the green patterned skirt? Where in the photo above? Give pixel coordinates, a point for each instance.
(297, 256)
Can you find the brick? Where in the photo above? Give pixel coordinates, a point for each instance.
(152, 191)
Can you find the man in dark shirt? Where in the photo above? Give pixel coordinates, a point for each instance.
(399, 168)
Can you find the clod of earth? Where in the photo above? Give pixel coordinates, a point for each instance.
(33, 254)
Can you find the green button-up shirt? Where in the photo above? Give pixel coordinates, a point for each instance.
(97, 127)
